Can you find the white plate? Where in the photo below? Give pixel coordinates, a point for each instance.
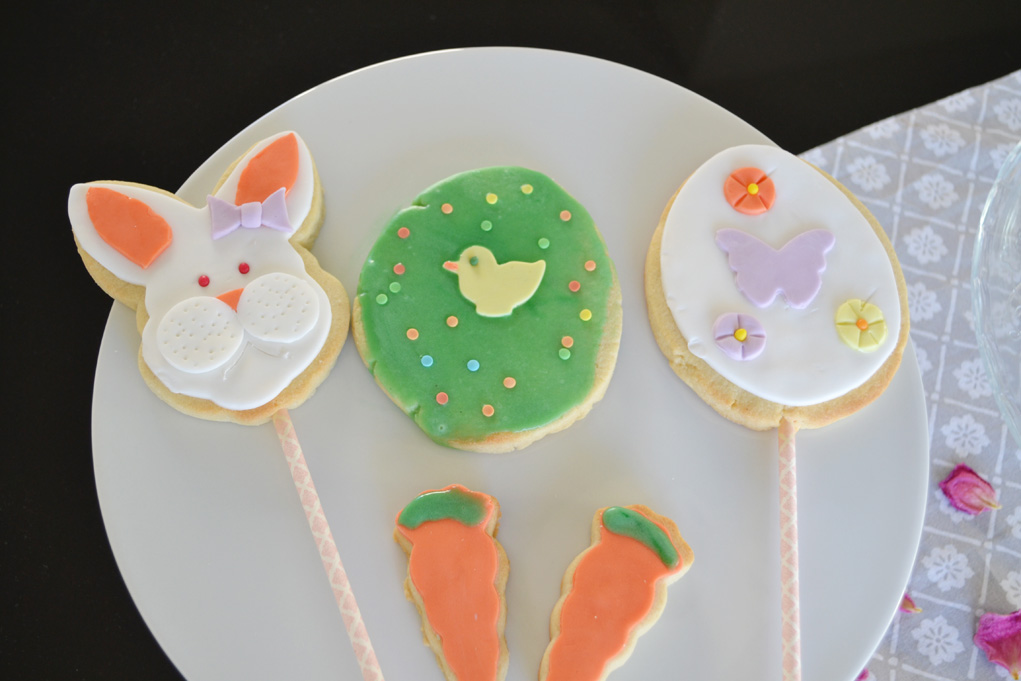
(208, 531)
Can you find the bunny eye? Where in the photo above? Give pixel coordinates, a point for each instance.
(243, 268)
(203, 281)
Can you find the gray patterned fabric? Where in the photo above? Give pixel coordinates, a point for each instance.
(925, 175)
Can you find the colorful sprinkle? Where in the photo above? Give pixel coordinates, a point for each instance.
(491, 198)
(427, 360)
(509, 382)
(395, 287)
(412, 334)
(451, 321)
(381, 299)
(567, 341)
(203, 281)
(399, 269)
(244, 268)
(442, 398)
(473, 365)
(526, 189)
(404, 232)
(487, 410)
(575, 286)
(447, 209)
(590, 265)
(544, 243)
(564, 353)
(585, 315)
(486, 225)
(565, 215)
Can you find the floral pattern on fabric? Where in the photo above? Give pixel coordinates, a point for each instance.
(925, 174)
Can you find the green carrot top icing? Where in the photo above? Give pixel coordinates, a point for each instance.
(629, 523)
(455, 502)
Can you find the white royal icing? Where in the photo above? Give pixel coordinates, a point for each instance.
(804, 361)
(265, 360)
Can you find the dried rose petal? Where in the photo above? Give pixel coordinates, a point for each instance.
(908, 605)
(999, 636)
(864, 675)
(967, 491)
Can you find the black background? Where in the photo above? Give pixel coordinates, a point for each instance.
(97, 90)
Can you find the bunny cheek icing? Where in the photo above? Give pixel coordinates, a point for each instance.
(810, 249)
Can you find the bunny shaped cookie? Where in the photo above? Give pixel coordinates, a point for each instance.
(237, 317)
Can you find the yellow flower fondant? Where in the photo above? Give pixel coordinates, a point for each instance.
(860, 325)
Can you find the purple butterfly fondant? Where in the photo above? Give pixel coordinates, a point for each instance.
(762, 272)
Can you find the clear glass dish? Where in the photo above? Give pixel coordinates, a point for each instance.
(996, 290)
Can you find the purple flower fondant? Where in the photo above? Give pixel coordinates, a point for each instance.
(740, 336)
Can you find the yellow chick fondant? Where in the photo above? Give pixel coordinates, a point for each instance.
(494, 288)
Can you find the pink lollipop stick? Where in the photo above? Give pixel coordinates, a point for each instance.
(790, 604)
(342, 592)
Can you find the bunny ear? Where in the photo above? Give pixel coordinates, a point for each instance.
(128, 225)
(274, 167)
(280, 161)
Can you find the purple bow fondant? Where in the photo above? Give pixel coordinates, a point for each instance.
(271, 213)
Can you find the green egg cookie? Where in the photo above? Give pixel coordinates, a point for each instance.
(489, 310)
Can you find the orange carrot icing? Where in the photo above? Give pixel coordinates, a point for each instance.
(613, 589)
(453, 567)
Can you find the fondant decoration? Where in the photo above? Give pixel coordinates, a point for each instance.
(861, 325)
(455, 579)
(750, 191)
(130, 226)
(762, 273)
(232, 315)
(613, 592)
(454, 316)
(698, 286)
(740, 336)
(271, 213)
(495, 289)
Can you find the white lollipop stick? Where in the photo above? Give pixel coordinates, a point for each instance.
(342, 592)
(790, 603)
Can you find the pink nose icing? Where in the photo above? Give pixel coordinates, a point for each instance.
(231, 298)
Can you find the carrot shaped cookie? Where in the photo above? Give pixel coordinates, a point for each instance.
(613, 592)
(457, 574)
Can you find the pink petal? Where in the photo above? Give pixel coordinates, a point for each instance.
(999, 636)
(967, 491)
(908, 605)
(864, 675)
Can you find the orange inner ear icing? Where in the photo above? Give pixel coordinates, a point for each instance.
(130, 226)
(274, 167)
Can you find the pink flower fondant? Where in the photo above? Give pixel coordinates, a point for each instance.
(999, 637)
(740, 336)
(967, 491)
